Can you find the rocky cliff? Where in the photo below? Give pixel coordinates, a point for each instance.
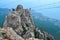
(19, 25)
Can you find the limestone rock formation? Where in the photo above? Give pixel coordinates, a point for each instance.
(10, 34)
(20, 26)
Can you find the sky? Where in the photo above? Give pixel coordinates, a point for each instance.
(49, 8)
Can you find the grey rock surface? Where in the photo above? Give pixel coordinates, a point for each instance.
(20, 24)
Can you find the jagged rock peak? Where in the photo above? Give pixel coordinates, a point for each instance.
(20, 22)
(19, 7)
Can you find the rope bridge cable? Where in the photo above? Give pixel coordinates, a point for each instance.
(40, 6)
(10, 3)
(47, 8)
(52, 7)
(37, 6)
(46, 5)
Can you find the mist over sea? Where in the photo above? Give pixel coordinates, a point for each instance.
(47, 26)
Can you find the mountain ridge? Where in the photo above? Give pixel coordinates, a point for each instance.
(20, 23)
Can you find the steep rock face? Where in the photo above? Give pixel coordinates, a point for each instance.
(9, 34)
(20, 20)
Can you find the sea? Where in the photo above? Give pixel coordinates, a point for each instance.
(41, 24)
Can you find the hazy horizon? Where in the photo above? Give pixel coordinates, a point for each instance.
(49, 8)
